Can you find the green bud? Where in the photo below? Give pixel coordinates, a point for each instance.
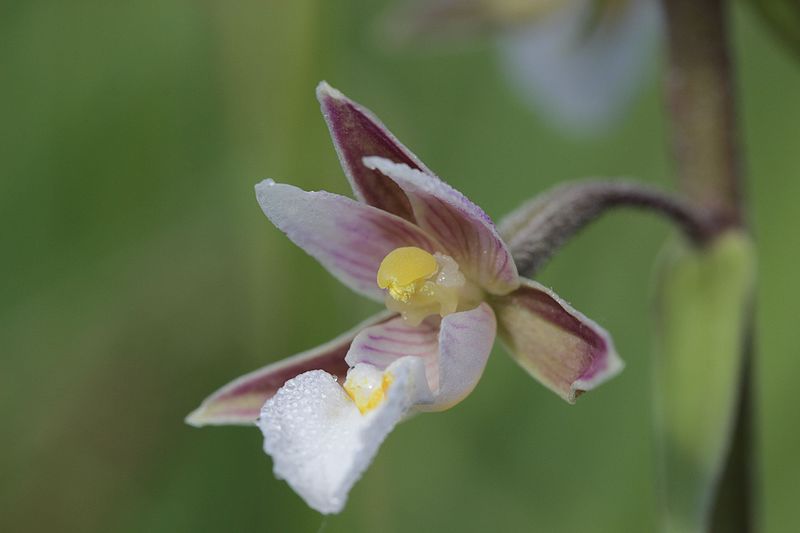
(703, 303)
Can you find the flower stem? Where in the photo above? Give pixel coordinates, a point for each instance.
(701, 104)
(701, 110)
(538, 228)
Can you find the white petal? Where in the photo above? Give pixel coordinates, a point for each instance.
(320, 442)
(582, 77)
(347, 237)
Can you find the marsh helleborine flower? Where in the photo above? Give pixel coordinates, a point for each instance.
(448, 281)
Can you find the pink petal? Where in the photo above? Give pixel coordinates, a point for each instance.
(454, 352)
(357, 133)
(465, 342)
(382, 344)
(556, 344)
(348, 238)
(240, 401)
(465, 231)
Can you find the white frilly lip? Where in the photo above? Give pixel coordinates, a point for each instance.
(320, 442)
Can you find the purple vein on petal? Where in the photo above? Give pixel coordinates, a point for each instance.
(377, 347)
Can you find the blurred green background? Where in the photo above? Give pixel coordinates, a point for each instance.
(138, 273)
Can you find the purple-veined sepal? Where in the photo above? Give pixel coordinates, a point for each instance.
(240, 401)
(556, 344)
(357, 133)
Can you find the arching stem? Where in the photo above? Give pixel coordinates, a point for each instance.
(538, 228)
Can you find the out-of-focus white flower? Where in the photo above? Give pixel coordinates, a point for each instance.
(577, 62)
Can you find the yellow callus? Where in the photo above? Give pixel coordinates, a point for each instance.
(367, 387)
(404, 270)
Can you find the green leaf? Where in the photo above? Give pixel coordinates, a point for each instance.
(783, 19)
(703, 302)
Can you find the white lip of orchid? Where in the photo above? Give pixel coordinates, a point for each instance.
(318, 439)
(419, 284)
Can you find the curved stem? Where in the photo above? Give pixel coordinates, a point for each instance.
(538, 228)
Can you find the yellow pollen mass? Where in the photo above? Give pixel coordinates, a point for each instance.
(402, 270)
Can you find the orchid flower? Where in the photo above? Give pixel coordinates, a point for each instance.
(449, 284)
(577, 62)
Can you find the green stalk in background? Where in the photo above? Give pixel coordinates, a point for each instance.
(705, 318)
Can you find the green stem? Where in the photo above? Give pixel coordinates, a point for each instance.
(701, 103)
(733, 509)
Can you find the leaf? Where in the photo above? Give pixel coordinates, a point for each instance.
(703, 302)
(783, 19)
